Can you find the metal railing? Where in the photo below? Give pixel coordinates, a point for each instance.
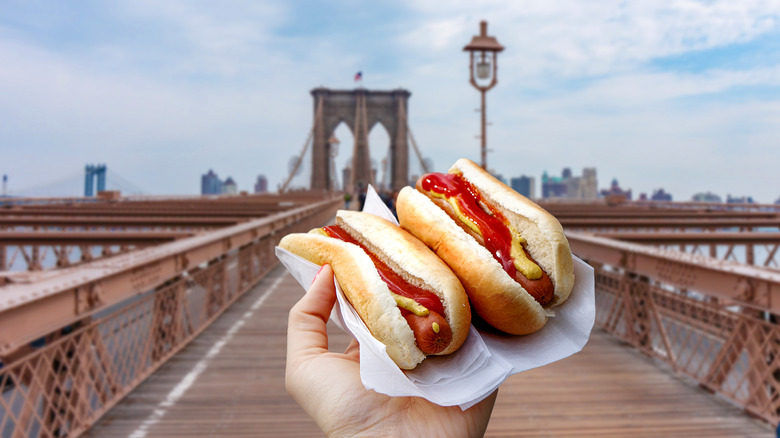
(71, 348)
(710, 320)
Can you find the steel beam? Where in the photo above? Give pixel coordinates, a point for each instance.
(105, 222)
(37, 238)
(695, 238)
(751, 286)
(665, 223)
(636, 213)
(160, 210)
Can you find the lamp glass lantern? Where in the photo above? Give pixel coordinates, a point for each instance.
(483, 69)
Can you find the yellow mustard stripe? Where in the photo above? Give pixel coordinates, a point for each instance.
(529, 269)
(410, 305)
(463, 218)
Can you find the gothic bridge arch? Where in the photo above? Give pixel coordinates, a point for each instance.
(360, 110)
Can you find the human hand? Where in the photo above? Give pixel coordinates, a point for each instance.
(328, 387)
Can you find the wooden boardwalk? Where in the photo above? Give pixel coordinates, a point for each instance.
(230, 382)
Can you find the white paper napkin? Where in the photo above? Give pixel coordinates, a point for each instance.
(484, 361)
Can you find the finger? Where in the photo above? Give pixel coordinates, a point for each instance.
(306, 326)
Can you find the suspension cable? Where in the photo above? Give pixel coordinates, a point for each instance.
(317, 119)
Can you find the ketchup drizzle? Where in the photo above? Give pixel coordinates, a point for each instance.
(395, 282)
(492, 226)
(498, 239)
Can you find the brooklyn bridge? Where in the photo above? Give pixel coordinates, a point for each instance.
(166, 316)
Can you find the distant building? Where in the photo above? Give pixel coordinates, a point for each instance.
(660, 195)
(615, 190)
(524, 185)
(587, 186)
(261, 186)
(210, 184)
(552, 186)
(568, 186)
(707, 197)
(230, 186)
(739, 200)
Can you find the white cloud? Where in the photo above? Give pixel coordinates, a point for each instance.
(437, 34)
(570, 38)
(200, 85)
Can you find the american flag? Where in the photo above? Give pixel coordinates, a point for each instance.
(358, 76)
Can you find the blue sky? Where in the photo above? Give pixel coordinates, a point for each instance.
(683, 94)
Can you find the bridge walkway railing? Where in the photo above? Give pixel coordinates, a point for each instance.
(77, 340)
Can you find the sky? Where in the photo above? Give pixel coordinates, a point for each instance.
(682, 95)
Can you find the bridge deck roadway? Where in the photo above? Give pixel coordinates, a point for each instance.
(230, 382)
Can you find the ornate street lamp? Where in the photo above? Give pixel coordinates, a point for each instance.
(483, 74)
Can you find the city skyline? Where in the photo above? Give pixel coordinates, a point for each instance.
(76, 187)
(682, 96)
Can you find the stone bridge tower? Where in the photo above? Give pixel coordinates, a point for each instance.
(360, 110)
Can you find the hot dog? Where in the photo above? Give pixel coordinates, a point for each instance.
(510, 255)
(407, 297)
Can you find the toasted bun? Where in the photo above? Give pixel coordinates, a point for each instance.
(495, 296)
(369, 294)
(416, 263)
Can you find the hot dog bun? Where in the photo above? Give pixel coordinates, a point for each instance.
(495, 295)
(367, 291)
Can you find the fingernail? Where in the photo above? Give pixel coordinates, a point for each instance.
(318, 274)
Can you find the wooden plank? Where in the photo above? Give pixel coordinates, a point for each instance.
(607, 390)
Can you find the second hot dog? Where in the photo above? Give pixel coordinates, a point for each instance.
(407, 297)
(511, 256)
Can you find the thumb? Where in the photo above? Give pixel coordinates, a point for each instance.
(307, 323)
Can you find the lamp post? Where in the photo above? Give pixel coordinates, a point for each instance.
(483, 74)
